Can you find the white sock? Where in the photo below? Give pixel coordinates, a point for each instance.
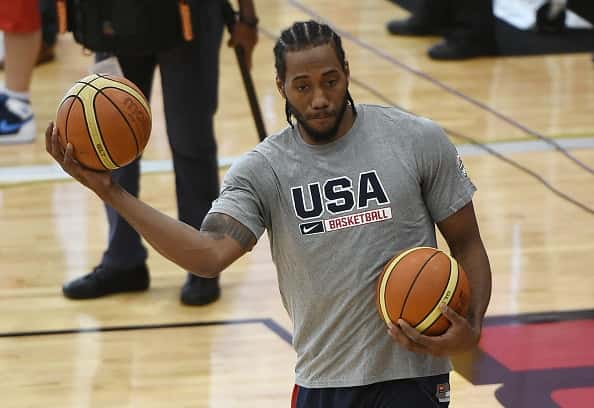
(19, 107)
(24, 96)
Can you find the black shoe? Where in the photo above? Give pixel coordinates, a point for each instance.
(199, 291)
(46, 54)
(104, 281)
(414, 26)
(449, 50)
(550, 23)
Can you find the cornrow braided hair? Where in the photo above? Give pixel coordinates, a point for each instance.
(303, 35)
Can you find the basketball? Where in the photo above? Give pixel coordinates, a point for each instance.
(107, 119)
(414, 284)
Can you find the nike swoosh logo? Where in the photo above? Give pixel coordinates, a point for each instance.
(315, 227)
(309, 229)
(6, 127)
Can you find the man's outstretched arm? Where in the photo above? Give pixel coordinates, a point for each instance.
(206, 253)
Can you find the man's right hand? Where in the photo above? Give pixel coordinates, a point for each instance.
(98, 181)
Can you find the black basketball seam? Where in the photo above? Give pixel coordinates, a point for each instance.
(106, 150)
(123, 117)
(444, 289)
(97, 76)
(70, 107)
(135, 87)
(125, 84)
(414, 281)
(75, 97)
(111, 78)
(100, 90)
(387, 278)
(90, 137)
(85, 121)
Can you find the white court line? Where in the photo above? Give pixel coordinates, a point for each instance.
(526, 146)
(52, 172)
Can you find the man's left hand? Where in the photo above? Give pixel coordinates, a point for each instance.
(460, 336)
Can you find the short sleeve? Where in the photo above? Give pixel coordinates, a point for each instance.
(245, 191)
(444, 180)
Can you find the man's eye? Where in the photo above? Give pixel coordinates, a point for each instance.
(302, 88)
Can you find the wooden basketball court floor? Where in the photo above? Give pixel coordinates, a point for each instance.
(535, 206)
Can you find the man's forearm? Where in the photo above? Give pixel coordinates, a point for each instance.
(475, 262)
(176, 241)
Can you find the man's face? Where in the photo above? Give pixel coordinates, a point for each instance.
(315, 88)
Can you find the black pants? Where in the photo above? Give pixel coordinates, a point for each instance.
(425, 392)
(189, 79)
(583, 8)
(49, 21)
(466, 20)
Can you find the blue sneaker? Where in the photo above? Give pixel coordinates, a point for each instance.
(17, 124)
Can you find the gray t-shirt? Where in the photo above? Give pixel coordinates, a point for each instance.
(335, 214)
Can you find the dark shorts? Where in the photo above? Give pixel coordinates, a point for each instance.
(423, 392)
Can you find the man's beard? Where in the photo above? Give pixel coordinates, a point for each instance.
(316, 135)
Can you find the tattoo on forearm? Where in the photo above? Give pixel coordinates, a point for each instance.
(220, 225)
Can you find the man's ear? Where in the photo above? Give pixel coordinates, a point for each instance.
(347, 70)
(280, 85)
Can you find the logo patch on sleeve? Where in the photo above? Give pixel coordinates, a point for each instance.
(461, 167)
(443, 392)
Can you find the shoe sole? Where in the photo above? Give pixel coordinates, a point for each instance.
(432, 32)
(76, 297)
(201, 302)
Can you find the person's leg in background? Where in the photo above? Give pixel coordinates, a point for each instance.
(551, 16)
(49, 31)
(468, 25)
(20, 22)
(473, 35)
(430, 17)
(583, 8)
(123, 265)
(190, 83)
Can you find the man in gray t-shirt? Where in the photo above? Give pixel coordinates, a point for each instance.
(335, 214)
(339, 194)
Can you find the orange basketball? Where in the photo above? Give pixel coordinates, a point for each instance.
(107, 119)
(414, 284)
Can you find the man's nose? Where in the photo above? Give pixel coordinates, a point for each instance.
(319, 101)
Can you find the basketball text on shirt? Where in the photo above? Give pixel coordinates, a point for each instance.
(338, 196)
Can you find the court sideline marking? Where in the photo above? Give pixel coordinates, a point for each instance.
(16, 175)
